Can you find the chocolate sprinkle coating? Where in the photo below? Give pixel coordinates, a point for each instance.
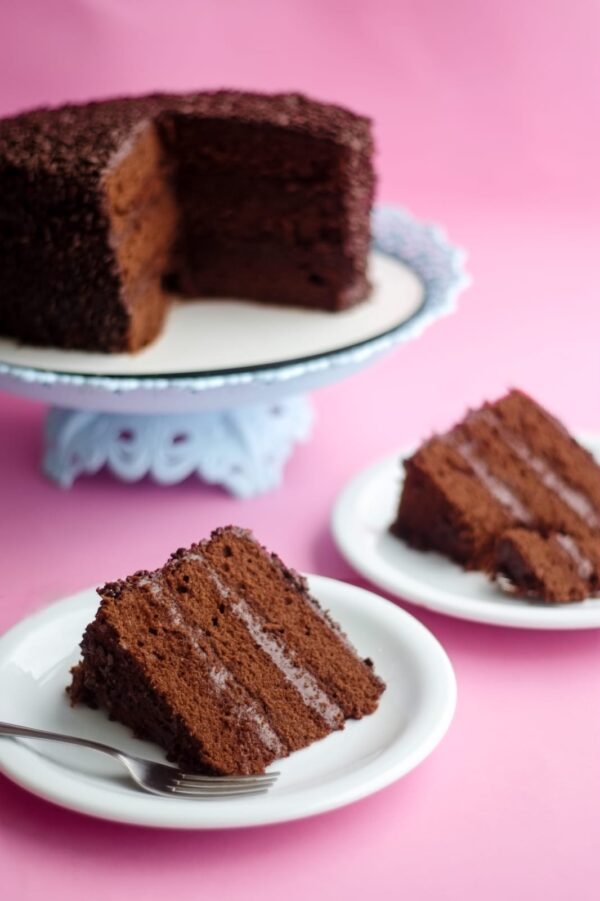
(63, 284)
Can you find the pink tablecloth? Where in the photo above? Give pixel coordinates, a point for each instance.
(488, 122)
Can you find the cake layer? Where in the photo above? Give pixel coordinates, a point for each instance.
(445, 507)
(291, 211)
(309, 633)
(568, 464)
(133, 170)
(143, 243)
(197, 600)
(267, 271)
(227, 646)
(250, 145)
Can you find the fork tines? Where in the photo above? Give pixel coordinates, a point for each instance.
(194, 786)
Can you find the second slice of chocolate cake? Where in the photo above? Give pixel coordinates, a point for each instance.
(223, 658)
(509, 491)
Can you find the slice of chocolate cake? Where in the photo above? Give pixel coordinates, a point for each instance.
(222, 194)
(223, 658)
(508, 490)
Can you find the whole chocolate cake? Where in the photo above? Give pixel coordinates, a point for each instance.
(106, 205)
(223, 658)
(509, 491)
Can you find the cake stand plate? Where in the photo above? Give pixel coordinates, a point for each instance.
(222, 393)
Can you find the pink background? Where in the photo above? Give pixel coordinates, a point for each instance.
(487, 117)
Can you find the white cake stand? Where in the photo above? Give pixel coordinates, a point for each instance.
(223, 392)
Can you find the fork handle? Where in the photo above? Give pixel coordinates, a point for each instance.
(26, 732)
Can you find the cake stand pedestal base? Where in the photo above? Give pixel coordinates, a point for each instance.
(243, 449)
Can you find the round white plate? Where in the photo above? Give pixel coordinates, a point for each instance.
(363, 512)
(224, 353)
(414, 713)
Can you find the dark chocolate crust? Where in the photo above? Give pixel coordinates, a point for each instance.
(286, 182)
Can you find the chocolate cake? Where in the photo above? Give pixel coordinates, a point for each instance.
(223, 658)
(509, 491)
(106, 205)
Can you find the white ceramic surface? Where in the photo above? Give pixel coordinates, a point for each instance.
(362, 514)
(415, 712)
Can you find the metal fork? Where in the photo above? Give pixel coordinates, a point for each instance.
(157, 777)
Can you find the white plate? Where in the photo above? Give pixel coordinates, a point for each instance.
(363, 512)
(414, 713)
